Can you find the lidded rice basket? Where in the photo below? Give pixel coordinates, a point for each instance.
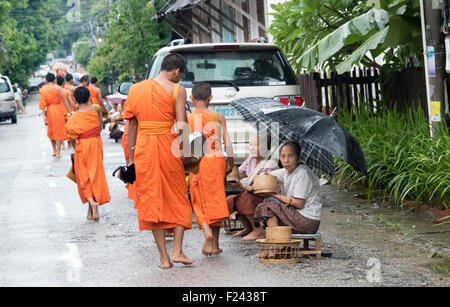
(265, 184)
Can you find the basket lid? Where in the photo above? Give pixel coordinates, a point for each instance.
(234, 176)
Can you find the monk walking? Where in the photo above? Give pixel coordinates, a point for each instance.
(162, 202)
(84, 126)
(52, 102)
(96, 94)
(207, 187)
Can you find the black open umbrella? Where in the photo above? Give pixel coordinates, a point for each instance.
(305, 125)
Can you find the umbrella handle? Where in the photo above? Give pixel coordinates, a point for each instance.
(333, 112)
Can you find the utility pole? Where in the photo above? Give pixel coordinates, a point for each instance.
(435, 56)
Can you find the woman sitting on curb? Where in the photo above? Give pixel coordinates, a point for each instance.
(300, 207)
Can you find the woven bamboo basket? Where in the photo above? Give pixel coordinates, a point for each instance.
(280, 234)
(265, 184)
(231, 226)
(234, 177)
(278, 253)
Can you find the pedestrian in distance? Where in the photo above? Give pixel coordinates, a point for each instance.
(207, 188)
(50, 102)
(18, 98)
(85, 126)
(162, 202)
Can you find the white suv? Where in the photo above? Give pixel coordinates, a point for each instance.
(236, 70)
(7, 103)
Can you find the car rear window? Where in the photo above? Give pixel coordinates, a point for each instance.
(241, 67)
(4, 87)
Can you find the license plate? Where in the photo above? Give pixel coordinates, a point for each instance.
(228, 112)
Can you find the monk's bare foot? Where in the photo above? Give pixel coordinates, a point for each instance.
(254, 235)
(95, 213)
(165, 264)
(58, 156)
(89, 215)
(217, 251)
(168, 234)
(243, 233)
(182, 258)
(54, 154)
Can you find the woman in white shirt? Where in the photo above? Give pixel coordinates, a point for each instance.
(299, 207)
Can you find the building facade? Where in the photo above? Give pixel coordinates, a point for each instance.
(218, 21)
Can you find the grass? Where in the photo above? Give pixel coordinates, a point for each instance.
(402, 159)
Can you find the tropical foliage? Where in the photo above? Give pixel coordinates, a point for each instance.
(29, 29)
(132, 38)
(401, 156)
(337, 34)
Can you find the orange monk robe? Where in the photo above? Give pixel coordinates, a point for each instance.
(131, 187)
(50, 98)
(94, 95)
(88, 163)
(207, 187)
(161, 190)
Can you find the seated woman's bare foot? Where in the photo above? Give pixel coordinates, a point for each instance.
(182, 258)
(243, 233)
(254, 235)
(89, 215)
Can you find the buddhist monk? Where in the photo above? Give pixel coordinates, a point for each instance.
(60, 81)
(68, 85)
(96, 94)
(207, 187)
(162, 202)
(84, 126)
(50, 102)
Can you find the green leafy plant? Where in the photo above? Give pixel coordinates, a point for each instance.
(401, 156)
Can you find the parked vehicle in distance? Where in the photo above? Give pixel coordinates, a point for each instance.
(7, 103)
(234, 71)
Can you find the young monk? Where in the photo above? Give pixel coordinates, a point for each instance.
(161, 191)
(50, 102)
(207, 187)
(84, 126)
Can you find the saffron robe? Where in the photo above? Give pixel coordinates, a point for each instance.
(208, 186)
(88, 163)
(94, 94)
(161, 190)
(50, 99)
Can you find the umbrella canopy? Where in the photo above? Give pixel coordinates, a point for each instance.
(306, 127)
(116, 98)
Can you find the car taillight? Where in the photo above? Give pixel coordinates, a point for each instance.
(284, 100)
(299, 101)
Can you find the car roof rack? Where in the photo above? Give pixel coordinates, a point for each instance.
(176, 42)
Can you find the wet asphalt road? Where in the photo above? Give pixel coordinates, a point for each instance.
(45, 239)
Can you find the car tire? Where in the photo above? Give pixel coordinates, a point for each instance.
(14, 119)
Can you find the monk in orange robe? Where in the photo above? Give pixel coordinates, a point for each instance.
(208, 186)
(161, 191)
(84, 126)
(52, 102)
(96, 94)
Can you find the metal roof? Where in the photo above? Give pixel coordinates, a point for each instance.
(177, 5)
